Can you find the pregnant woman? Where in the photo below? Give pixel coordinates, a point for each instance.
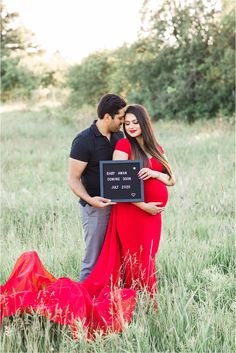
(139, 225)
(107, 297)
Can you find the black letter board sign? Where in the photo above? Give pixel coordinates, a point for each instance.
(119, 181)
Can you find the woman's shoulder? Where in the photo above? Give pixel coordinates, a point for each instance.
(123, 145)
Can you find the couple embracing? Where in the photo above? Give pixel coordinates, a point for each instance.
(121, 240)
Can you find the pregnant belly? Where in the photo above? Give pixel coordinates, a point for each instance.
(155, 191)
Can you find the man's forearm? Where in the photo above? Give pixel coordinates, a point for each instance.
(79, 190)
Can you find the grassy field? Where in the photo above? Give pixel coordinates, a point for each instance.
(196, 257)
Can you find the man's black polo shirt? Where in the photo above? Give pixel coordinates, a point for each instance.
(91, 146)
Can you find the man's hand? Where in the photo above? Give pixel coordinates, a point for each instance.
(153, 208)
(100, 202)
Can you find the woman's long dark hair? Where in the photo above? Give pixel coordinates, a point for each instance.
(150, 143)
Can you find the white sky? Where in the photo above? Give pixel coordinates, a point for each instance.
(79, 27)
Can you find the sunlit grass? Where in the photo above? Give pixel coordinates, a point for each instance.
(195, 263)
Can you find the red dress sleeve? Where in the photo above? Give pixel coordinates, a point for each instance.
(161, 149)
(123, 145)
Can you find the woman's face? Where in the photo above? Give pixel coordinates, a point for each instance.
(132, 126)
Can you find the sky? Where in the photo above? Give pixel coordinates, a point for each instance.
(77, 28)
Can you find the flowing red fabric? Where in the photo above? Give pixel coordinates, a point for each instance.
(107, 298)
(98, 302)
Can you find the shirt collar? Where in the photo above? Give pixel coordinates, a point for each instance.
(95, 129)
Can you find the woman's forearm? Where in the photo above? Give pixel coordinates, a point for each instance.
(164, 178)
(140, 205)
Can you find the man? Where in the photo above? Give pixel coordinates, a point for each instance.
(90, 146)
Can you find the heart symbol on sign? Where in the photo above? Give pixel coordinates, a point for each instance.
(133, 194)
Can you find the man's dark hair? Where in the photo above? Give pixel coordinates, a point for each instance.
(110, 104)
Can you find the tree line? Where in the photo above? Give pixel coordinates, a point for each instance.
(181, 66)
(23, 69)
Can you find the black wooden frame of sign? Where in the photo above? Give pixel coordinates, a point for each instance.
(141, 189)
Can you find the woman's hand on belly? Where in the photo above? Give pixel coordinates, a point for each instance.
(152, 207)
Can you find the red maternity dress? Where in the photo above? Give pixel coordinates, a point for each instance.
(107, 298)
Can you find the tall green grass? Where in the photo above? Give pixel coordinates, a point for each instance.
(195, 263)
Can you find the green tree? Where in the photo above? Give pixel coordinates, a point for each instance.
(90, 80)
(181, 72)
(16, 42)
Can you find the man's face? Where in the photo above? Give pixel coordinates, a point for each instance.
(117, 121)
